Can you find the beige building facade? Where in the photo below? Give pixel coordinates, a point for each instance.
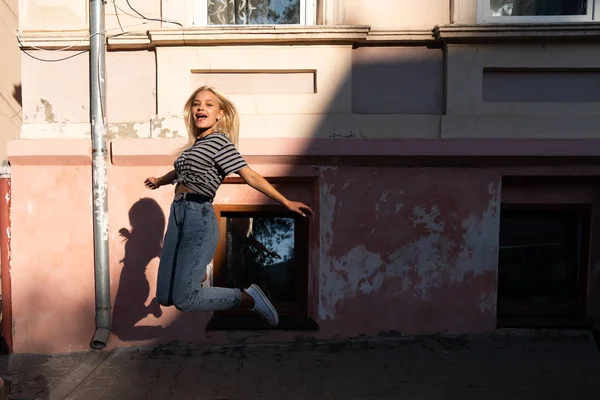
(10, 79)
(449, 148)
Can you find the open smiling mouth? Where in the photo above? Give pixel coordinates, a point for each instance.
(201, 117)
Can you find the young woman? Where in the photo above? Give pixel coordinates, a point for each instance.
(192, 232)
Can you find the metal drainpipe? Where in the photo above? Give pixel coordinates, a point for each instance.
(5, 252)
(99, 174)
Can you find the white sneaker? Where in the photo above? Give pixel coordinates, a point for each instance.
(262, 305)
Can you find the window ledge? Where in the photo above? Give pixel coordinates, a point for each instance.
(129, 41)
(73, 40)
(558, 31)
(49, 152)
(335, 34)
(228, 35)
(272, 34)
(400, 36)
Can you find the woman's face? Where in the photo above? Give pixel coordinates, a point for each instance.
(206, 110)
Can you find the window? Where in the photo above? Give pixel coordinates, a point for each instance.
(268, 246)
(543, 258)
(254, 12)
(536, 11)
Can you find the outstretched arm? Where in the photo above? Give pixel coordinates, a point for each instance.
(259, 183)
(155, 183)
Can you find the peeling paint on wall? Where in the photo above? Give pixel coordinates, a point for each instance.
(128, 130)
(48, 111)
(43, 113)
(167, 127)
(407, 237)
(99, 194)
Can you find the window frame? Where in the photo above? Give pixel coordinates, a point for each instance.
(297, 309)
(578, 309)
(483, 8)
(308, 12)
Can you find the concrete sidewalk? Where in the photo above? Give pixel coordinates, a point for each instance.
(483, 367)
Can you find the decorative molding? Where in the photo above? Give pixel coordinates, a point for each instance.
(583, 128)
(131, 152)
(285, 151)
(54, 40)
(55, 131)
(400, 36)
(129, 41)
(49, 152)
(256, 34)
(501, 32)
(308, 147)
(228, 35)
(82, 130)
(312, 35)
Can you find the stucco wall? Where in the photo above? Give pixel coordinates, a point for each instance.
(10, 79)
(52, 257)
(322, 91)
(409, 250)
(397, 13)
(397, 80)
(56, 93)
(392, 249)
(472, 110)
(146, 91)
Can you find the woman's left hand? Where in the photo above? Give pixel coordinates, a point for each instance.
(299, 208)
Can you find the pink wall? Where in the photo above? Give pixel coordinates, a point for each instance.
(10, 79)
(430, 264)
(52, 258)
(407, 249)
(392, 249)
(397, 249)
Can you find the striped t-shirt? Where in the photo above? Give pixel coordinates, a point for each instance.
(204, 166)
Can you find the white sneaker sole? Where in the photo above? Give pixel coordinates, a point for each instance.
(267, 303)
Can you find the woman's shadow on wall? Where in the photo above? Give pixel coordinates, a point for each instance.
(143, 243)
(134, 301)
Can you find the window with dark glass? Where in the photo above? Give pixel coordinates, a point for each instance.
(268, 246)
(543, 259)
(511, 8)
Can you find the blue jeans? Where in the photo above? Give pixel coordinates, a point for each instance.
(189, 246)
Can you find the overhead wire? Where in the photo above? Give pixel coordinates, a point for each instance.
(148, 19)
(89, 36)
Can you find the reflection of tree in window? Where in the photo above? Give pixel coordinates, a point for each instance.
(261, 250)
(243, 12)
(504, 8)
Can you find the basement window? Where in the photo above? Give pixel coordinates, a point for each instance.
(268, 246)
(543, 262)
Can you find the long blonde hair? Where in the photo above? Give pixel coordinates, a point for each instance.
(228, 125)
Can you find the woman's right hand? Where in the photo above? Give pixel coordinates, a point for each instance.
(152, 183)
